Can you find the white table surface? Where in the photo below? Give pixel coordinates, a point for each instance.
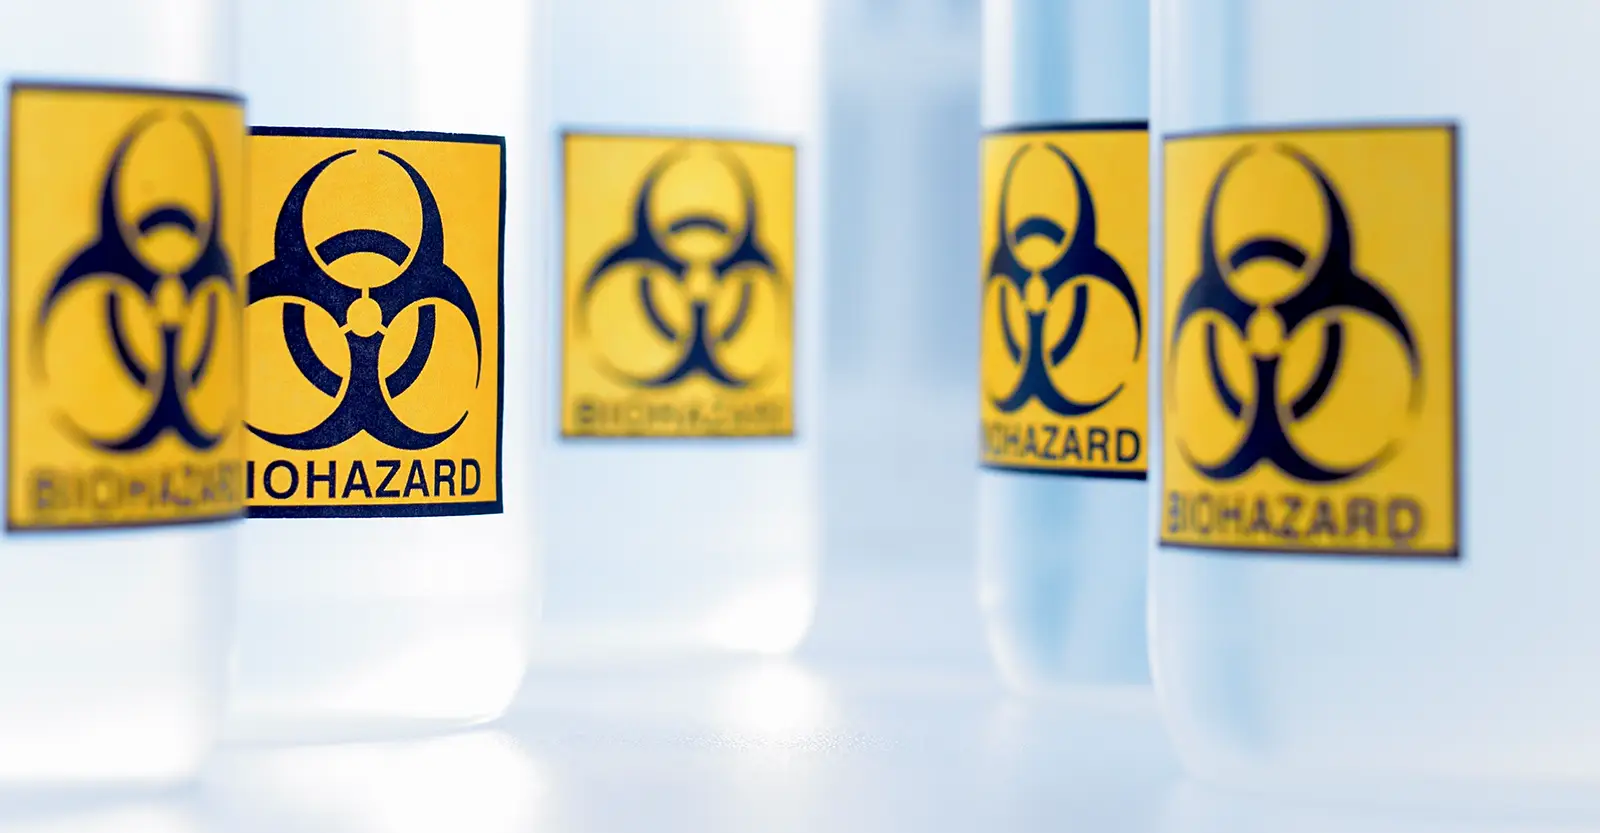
(889, 720)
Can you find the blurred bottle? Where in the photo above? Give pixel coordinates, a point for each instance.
(899, 492)
(1376, 224)
(1065, 341)
(396, 326)
(687, 392)
(123, 463)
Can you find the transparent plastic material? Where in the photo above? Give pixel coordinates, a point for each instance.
(901, 103)
(367, 627)
(113, 645)
(669, 546)
(1379, 674)
(1062, 558)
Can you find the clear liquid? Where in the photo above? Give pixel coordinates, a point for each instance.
(368, 628)
(1330, 672)
(664, 547)
(1061, 560)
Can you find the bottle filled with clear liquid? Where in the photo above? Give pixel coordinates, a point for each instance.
(1065, 341)
(686, 295)
(396, 324)
(1370, 568)
(124, 211)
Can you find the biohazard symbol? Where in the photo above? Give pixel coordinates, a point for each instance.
(738, 257)
(298, 271)
(1077, 260)
(1331, 289)
(112, 259)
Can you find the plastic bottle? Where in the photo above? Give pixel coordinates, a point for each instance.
(690, 525)
(115, 611)
(899, 492)
(1061, 488)
(402, 603)
(1403, 188)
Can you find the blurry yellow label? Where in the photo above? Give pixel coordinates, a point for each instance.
(1063, 354)
(126, 225)
(679, 288)
(374, 323)
(1309, 358)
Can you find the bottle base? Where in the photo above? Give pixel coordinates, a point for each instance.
(112, 658)
(1029, 668)
(765, 624)
(101, 733)
(1416, 684)
(307, 727)
(1061, 579)
(350, 670)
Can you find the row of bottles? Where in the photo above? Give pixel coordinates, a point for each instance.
(426, 327)
(1239, 357)
(1355, 474)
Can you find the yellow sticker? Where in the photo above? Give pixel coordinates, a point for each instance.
(679, 262)
(1309, 309)
(374, 323)
(1062, 351)
(125, 370)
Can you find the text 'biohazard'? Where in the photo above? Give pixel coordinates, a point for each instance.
(1062, 354)
(1309, 377)
(374, 321)
(126, 381)
(679, 288)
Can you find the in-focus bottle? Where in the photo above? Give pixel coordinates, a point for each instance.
(687, 339)
(396, 321)
(1065, 341)
(124, 221)
(1371, 568)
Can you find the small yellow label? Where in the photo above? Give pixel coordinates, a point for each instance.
(374, 323)
(679, 288)
(126, 223)
(1063, 353)
(1309, 309)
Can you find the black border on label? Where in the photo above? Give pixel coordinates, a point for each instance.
(1025, 128)
(1091, 474)
(12, 525)
(418, 510)
(559, 262)
(1452, 129)
(381, 510)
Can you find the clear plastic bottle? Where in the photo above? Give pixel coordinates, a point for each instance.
(1429, 163)
(114, 618)
(1061, 548)
(704, 540)
(901, 99)
(391, 609)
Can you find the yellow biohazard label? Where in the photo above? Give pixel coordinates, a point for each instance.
(374, 323)
(125, 376)
(679, 270)
(1063, 355)
(1309, 351)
